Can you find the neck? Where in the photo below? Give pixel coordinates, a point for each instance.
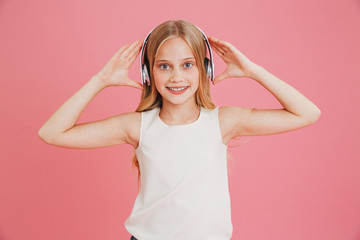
(174, 114)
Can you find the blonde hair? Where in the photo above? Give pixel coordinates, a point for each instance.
(150, 97)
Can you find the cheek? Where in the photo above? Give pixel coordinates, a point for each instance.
(195, 76)
(159, 78)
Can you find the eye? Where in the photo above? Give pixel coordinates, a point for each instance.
(164, 66)
(188, 65)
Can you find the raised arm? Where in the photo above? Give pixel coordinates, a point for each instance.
(298, 111)
(61, 128)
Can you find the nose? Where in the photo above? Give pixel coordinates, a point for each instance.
(176, 76)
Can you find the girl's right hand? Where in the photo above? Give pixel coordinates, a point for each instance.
(115, 72)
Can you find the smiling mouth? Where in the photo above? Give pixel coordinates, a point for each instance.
(177, 89)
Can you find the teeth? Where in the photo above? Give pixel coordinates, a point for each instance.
(177, 89)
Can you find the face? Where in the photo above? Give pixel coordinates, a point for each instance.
(176, 75)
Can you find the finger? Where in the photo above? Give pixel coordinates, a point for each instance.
(133, 54)
(220, 77)
(220, 42)
(133, 57)
(114, 58)
(215, 41)
(222, 48)
(130, 49)
(225, 46)
(125, 50)
(218, 48)
(135, 84)
(213, 44)
(220, 52)
(121, 50)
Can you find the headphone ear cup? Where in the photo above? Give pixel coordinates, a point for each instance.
(145, 75)
(208, 69)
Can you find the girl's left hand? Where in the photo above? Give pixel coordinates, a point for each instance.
(237, 65)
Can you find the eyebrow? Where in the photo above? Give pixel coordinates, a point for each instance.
(165, 60)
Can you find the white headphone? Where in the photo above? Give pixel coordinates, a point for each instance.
(144, 63)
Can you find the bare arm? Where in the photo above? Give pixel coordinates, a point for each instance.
(61, 128)
(298, 111)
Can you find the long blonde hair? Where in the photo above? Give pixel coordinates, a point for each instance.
(150, 97)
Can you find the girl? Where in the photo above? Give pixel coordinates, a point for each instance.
(180, 137)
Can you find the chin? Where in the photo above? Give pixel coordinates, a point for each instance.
(178, 101)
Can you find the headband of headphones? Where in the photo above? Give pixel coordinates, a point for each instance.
(209, 64)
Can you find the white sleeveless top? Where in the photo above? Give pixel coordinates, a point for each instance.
(184, 191)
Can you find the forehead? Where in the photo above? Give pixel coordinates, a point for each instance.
(174, 48)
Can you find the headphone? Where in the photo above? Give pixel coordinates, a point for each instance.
(144, 63)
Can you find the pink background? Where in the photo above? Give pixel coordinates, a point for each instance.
(298, 185)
